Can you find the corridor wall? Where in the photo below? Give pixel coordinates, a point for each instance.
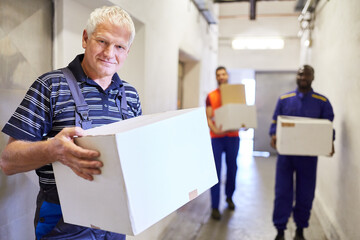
(335, 54)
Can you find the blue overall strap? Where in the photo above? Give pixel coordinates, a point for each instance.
(121, 102)
(81, 108)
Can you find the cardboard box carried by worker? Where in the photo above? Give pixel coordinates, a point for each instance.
(234, 113)
(153, 164)
(304, 136)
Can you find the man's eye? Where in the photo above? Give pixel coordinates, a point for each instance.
(119, 47)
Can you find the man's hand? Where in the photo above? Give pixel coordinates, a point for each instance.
(332, 150)
(82, 161)
(218, 130)
(212, 126)
(273, 141)
(22, 156)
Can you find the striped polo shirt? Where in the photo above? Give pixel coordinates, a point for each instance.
(48, 107)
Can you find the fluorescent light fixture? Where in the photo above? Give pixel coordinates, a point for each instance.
(258, 43)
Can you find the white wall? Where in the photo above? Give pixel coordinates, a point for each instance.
(18, 192)
(336, 57)
(25, 53)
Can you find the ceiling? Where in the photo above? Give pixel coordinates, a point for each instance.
(273, 19)
(252, 12)
(227, 1)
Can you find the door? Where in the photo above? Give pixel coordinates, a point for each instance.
(269, 86)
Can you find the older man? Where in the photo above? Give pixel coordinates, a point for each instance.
(42, 128)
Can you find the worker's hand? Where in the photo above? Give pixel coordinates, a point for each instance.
(82, 161)
(218, 130)
(332, 150)
(273, 141)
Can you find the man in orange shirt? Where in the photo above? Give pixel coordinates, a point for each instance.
(222, 141)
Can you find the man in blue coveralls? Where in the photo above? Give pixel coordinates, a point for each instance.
(303, 102)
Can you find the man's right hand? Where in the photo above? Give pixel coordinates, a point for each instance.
(21, 156)
(82, 161)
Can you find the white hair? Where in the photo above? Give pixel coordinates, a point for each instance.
(115, 15)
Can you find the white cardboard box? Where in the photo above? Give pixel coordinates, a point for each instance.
(153, 164)
(235, 116)
(303, 136)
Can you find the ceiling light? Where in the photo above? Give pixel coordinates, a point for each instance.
(258, 43)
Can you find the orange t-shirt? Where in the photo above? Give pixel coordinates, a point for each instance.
(214, 100)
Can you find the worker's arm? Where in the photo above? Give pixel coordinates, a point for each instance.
(22, 156)
(212, 126)
(272, 130)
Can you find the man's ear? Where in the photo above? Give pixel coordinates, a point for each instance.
(85, 38)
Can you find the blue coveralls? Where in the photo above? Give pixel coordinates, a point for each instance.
(311, 105)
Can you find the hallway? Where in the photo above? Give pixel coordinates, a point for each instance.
(251, 219)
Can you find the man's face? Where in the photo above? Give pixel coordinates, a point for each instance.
(105, 50)
(221, 76)
(304, 78)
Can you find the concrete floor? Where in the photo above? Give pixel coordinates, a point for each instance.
(251, 219)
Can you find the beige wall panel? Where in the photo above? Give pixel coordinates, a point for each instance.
(25, 46)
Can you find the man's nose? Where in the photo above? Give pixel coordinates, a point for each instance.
(109, 51)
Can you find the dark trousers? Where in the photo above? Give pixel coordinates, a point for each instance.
(303, 169)
(229, 145)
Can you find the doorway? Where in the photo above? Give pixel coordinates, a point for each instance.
(269, 86)
(188, 81)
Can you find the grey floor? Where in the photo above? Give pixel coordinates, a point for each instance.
(251, 219)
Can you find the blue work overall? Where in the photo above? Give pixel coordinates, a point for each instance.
(311, 105)
(48, 221)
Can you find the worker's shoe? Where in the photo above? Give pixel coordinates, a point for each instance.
(299, 234)
(299, 237)
(280, 237)
(215, 214)
(231, 205)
